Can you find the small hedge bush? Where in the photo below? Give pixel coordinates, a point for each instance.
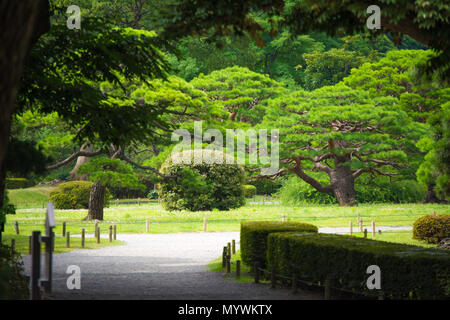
(201, 186)
(254, 238)
(249, 191)
(73, 195)
(18, 183)
(432, 228)
(406, 271)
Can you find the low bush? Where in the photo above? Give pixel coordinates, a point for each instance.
(432, 228)
(13, 283)
(254, 238)
(201, 186)
(73, 195)
(406, 271)
(18, 183)
(267, 186)
(249, 190)
(295, 191)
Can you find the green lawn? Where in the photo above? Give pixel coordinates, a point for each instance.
(22, 243)
(34, 197)
(132, 218)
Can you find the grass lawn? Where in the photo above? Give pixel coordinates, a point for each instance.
(34, 197)
(132, 218)
(22, 243)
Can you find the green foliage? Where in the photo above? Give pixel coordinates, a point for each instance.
(296, 192)
(17, 183)
(432, 228)
(71, 65)
(201, 186)
(239, 91)
(254, 236)
(146, 185)
(110, 173)
(153, 194)
(341, 128)
(73, 195)
(267, 186)
(330, 67)
(405, 270)
(249, 190)
(13, 283)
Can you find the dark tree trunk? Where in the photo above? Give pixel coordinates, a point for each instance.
(21, 24)
(96, 202)
(344, 186)
(431, 196)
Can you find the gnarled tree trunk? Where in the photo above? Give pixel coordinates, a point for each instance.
(96, 202)
(344, 186)
(81, 160)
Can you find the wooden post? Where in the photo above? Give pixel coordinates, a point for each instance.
(233, 246)
(228, 263)
(16, 227)
(273, 278)
(365, 233)
(13, 245)
(64, 229)
(327, 290)
(98, 234)
(147, 225)
(359, 218)
(224, 257)
(67, 239)
(379, 231)
(228, 249)
(294, 283)
(238, 269)
(351, 228)
(115, 232)
(204, 224)
(361, 225)
(283, 218)
(35, 292)
(83, 235)
(110, 233)
(95, 229)
(29, 245)
(256, 270)
(373, 228)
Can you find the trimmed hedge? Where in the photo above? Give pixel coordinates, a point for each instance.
(406, 271)
(17, 183)
(74, 195)
(249, 190)
(254, 238)
(432, 228)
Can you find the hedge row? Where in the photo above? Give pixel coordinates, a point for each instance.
(254, 238)
(18, 183)
(406, 271)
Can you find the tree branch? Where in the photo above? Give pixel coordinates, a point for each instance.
(74, 156)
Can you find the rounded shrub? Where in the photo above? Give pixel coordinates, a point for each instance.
(203, 185)
(432, 228)
(249, 190)
(73, 195)
(254, 238)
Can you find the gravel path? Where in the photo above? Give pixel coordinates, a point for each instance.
(158, 266)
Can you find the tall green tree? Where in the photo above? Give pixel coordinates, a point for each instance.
(342, 133)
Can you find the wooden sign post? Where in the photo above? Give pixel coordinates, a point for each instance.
(49, 240)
